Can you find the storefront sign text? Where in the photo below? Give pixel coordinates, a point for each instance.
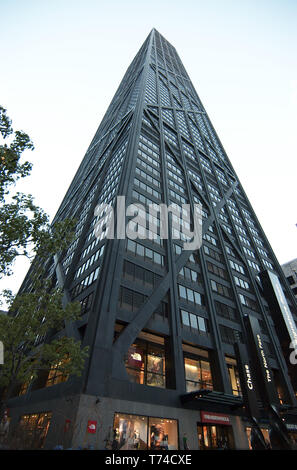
(214, 418)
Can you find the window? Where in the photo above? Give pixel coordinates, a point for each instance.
(213, 254)
(229, 335)
(190, 275)
(130, 300)
(56, 374)
(233, 376)
(210, 239)
(32, 430)
(236, 267)
(190, 295)
(220, 288)
(217, 270)
(144, 252)
(145, 364)
(198, 374)
(250, 303)
(86, 303)
(86, 282)
(147, 188)
(241, 283)
(137, 274)
(144, 433)
(225, 311)
(194, 322)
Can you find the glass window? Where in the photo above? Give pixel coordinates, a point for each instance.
(32, 430)
(202, 325)
(193, 320)
(233, 376)
(185, 318)
(145, 364)
(182, 292)
(131, 432)
(198, 374)
(56, 374)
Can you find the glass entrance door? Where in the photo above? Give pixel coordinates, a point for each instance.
(211, 437)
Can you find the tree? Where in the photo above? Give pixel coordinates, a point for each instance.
(33, 318)
(24, 227)
(32, 331)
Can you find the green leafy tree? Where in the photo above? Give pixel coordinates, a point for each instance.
(31, 332)
(34, 317)
(24, 227)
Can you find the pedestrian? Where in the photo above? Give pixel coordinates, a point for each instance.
(185, 442)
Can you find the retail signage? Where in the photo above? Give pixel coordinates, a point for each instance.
(214, 418)
(278, 304)
(261, 364)
(246, 379)
(92, 427)
(135, 358)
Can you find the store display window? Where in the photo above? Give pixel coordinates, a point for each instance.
(132, 432)
(265, 433)
(145, 364)
(213, 437)
(32, 430)
(233, 376)
(198, 374)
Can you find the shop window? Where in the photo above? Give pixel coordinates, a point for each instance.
(131, 432)
(233, 376)
(198, 374)
(265, 433)
(145, 364)
(32, 431)
(213, 437)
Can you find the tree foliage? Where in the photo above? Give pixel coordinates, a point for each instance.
(24, 334)
(32, 332)
(24, 227)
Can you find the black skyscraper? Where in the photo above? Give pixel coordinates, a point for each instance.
(179, 339)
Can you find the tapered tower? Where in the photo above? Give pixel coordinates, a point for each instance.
(171, 331)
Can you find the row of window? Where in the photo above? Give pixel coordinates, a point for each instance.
(190, 275)
(147, 177)
(86, 282)
(220, 288)
(133, 272)
(185, 293)
(241, 283)
(89, 262)
(196, 323)
(151, 160)
(146, 253)
(146, 188)
(148, 167)
(217, 270)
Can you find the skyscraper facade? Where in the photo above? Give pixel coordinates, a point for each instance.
(188, 347)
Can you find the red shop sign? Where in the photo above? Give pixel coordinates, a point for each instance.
(214, 418)
(92, 426)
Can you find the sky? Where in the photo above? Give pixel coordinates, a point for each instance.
(62, 61)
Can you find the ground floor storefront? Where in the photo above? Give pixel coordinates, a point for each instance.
(114, 424)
